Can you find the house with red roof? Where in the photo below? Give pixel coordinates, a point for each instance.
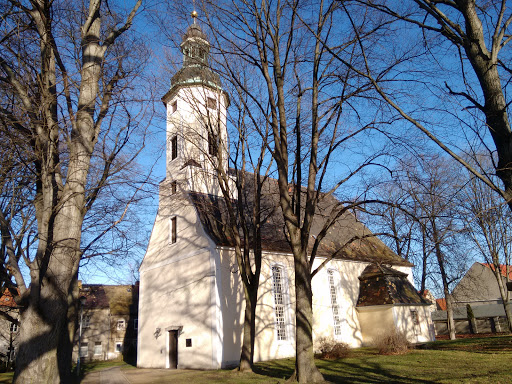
(479, 285)
(479, 289)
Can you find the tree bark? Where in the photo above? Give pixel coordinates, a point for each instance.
(444, 278)
(247, 355)
(47, 315)
(305, 368)
(504, 295)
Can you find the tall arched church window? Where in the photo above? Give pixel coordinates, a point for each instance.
(334, 283)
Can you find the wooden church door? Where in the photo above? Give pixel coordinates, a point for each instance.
(173, 349)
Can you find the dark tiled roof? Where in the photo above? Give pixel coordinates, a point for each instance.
(213, 214)
(121, 299)
(381, 285)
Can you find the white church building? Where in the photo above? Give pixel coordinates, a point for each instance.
(191, 300)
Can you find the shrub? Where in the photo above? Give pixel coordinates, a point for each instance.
(392, 343)
(332, 349)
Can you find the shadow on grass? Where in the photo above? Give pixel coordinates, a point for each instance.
(476, 345)
(339, 371)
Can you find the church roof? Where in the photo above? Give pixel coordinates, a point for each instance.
(381, 285)
(195, 69)
(213, 215)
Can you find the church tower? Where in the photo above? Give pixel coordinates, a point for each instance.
(196, 119)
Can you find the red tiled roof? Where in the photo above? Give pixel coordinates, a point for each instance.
(7, 298)
(503, 269)
(441, 304)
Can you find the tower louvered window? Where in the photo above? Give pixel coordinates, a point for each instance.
(278, 286)
(334, 302)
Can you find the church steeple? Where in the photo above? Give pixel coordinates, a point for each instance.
(196, 51)
(196, 118)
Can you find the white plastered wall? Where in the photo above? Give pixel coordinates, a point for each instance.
(375, 320)
(189, 124)
(177, 290)
(348, 293)
(420, 333)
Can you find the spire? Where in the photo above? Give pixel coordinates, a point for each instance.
(196, 51)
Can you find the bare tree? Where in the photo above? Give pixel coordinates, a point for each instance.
(434, 193)
(65, 67)
(487, 226)
(474, 97)
(305, 99)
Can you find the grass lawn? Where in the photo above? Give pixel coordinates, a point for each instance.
(478, 360)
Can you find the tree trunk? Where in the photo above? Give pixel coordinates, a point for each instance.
(508, 314)
(305, 368)
(44, 329)
(44, 322)
(504, 295)
(247, 356)
(449, 314)
(485, 65)
(444, 278)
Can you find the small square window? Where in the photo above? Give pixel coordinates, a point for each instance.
(174, 106)
(121, 325)
(84, 350)
(211, 103)
(14, 327)
(98, 350)
(188, 342)
(119, 346)
(174, 147)
(174, 187)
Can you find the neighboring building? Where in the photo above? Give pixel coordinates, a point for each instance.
(109, 323)
(479, 289)
(479, 285)
(8, 329)
(191, 297)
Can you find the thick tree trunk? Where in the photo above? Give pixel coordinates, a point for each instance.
(44, 322)
(485, 65)
(36, 361)
(247, 356)
(44, 329)
(305, 368)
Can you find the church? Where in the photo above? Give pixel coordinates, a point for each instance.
(191, 300)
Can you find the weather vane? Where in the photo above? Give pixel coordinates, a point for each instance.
(194, 12)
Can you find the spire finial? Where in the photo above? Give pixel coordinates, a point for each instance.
(194, 12)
